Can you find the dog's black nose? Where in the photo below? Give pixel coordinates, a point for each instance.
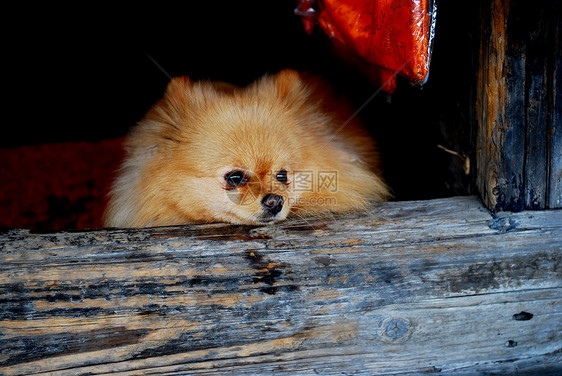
(272, 203)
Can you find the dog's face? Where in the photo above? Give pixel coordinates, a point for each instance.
(245, 161)
(256, 197)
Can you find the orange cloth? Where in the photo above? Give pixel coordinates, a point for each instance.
(389, 37)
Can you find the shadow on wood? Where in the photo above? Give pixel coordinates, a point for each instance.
(423, 286)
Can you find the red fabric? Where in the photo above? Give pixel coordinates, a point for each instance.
(57, 186)
(389, 37)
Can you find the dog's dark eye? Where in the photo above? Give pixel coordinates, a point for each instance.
(282, 176)
(236, 178)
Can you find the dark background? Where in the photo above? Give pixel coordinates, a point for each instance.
(83, 73)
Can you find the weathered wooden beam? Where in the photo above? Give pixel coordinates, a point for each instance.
(518, 113)
(554, 117)
(423, 286)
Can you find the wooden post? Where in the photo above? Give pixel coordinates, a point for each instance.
(409, 287)
(518, 109)
(554, 117)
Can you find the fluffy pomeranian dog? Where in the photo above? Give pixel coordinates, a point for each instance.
(211, 152)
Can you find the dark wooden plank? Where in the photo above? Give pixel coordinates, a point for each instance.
(518, 153)
(555, 115)
(500, 109)
(537, 106)
(422, 286)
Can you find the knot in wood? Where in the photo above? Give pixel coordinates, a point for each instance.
(396, 329)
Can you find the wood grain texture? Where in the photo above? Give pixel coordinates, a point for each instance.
(422, 286)
(536, 153)
(555, 116)
(518, 153)
(500, 110)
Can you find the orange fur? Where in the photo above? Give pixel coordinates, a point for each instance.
(178, 156)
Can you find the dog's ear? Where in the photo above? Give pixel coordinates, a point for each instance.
(301, 88)
(182, 100)
(178, 91)
(180, 82)
(288, 82)
(290, 86)
(182, 94)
